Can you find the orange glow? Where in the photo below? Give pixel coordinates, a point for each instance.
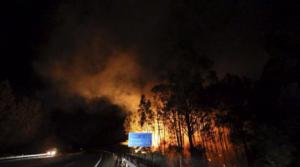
(119, 80)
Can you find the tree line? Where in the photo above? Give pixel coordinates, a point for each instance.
(233, 115)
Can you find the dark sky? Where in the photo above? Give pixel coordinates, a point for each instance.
(23, 28)
(233, 33)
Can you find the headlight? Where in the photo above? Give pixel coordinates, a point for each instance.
(51, 153)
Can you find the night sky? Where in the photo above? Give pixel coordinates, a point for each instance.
(232, 33)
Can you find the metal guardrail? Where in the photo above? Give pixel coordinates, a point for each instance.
(127, 163)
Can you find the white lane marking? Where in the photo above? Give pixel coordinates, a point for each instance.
(31, 156)
(98, 162)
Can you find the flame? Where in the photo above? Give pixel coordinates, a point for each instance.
(216, 142)
(119, 79)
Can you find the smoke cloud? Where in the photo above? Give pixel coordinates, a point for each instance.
(91, 53)
(115, 49)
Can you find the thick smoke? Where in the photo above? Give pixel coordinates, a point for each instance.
(118, 49)
(119, 79)
(91, 56)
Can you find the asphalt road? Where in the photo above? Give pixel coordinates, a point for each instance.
(70, 160)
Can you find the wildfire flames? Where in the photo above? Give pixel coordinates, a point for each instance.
(216, 142)
(121, 80)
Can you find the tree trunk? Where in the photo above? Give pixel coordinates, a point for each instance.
(189, 130)
(247, 152)
(221, 140)
(180, 131)
(158, 130)
(176, 128)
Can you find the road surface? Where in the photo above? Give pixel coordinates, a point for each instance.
(69, 160)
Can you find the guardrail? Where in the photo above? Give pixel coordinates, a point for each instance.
(127, 163)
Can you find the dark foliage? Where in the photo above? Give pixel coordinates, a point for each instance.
(89, 124)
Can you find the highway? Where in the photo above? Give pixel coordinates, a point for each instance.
(83, 159)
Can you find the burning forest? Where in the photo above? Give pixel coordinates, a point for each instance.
(214, 83)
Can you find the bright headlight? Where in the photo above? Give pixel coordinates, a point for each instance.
(51, 153)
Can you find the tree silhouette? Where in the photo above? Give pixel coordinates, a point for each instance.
(146, 114)
(20, 119)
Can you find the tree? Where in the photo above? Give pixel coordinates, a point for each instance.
(20, 118)
(146, 114)
(231, 97)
